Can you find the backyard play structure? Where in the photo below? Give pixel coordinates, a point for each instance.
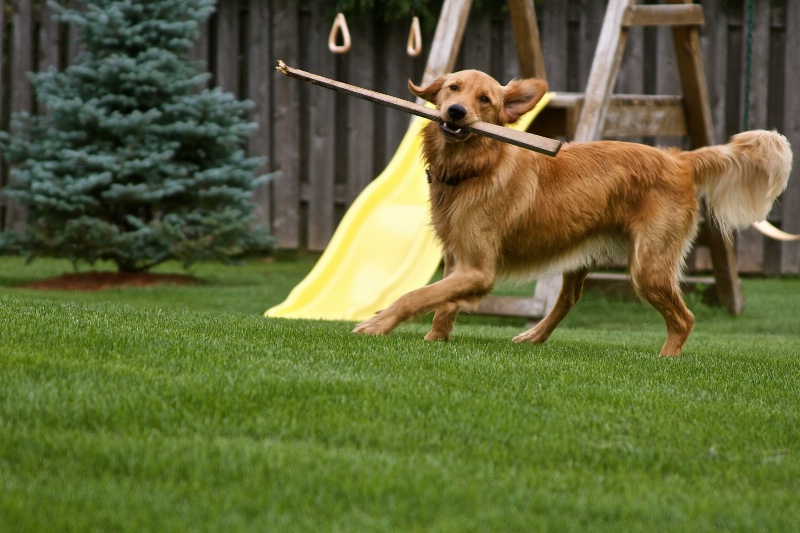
(384, 246)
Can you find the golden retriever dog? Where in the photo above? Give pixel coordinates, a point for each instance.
(502, 210)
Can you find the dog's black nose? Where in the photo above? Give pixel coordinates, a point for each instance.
(457, 111)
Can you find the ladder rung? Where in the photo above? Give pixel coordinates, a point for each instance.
(628, 115)
(664, 15)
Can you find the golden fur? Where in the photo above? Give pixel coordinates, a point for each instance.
(502, 210)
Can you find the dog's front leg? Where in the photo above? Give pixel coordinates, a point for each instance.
(461, 286)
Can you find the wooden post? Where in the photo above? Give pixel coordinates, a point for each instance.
(701, 132)
(603, 75)
(693, 84)
(526, 35)
(447, 39)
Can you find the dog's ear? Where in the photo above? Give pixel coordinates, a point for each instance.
(519, 97)
(428, 93)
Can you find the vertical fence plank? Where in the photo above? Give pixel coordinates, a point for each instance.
(504, 53)
(714, 39)
(199, 50)
(790, 254)
(750, 243)
(227, 42)
(22, 63)
(555, 26)
(360, 132)
(321, 105)
(398, 69)
(285, 154)
(49, 40)
(631, 71)
(476, 52)
(259, 67)
(22, 56)
(592, 14)
(4, 91)
(714, 43)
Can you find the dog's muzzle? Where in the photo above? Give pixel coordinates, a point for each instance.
(451, 129)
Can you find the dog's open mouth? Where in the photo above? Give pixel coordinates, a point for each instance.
(454, 131)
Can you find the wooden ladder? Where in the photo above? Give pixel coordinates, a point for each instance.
(598, 113)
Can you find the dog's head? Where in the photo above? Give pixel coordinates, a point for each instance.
(469, 95)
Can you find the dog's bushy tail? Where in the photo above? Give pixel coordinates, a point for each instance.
(740, 180)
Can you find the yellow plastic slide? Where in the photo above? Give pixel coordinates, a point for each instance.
(384, 246)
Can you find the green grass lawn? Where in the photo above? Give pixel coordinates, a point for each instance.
(180, 408)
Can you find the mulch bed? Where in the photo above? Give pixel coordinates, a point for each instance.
(95, 281)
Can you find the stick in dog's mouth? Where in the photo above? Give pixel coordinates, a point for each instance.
(526, 140)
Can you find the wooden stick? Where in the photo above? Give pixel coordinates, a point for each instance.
(537, 143)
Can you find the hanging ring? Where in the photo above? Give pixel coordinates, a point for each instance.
(339, 25)
(414, 44)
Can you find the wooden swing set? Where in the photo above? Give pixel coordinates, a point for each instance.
(595, 114)
(598, 113)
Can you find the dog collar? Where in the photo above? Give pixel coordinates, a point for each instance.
(452, 182)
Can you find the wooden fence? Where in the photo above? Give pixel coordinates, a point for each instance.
(328, 147)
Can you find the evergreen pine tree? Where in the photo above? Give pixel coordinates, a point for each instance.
(131, 162)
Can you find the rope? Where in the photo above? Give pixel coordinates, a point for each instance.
(748, 55)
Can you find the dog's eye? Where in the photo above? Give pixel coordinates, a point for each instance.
(485, 99)
(454, 87)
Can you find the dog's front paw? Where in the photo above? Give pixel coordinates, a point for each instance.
(533, 336)
(376, 325)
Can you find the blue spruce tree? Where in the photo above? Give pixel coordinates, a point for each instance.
(132, 162)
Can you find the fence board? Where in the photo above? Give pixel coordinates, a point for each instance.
(714, 39)
(750, 243)
(50, 40)
(22, 56)
(259, 70)
(360, 158)
(397, 68)
(790, 256)
(4, 220)
(285, 154)
(22, 99)
(226, 38)
(321, 105)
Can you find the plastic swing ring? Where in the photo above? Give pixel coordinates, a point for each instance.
(339, 26)
(414, 44)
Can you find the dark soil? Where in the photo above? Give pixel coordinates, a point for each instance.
(95, 281)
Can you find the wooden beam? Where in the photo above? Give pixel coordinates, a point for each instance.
(447, 39)
(693, 84)
(664, 15)
(628, 115)
(617, 285)
(510, 306)
(522, 139)
(614, 285)
(526, 36)
(605, 67)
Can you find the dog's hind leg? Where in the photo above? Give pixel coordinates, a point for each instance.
(654, 273)
(571, 291)
(444, 317)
